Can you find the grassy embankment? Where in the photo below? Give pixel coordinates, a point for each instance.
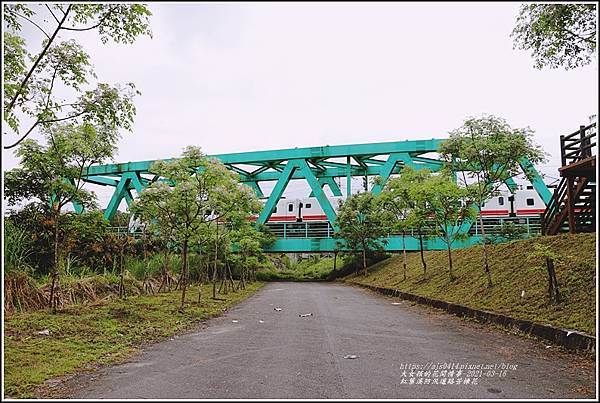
(511, 274)
(314, 268)
(108, 331)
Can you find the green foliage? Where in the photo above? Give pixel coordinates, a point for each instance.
(508, 231)
(51, 174)
(540, 252)
(18, 248)
(36, 221)
(104, 333)
(400, 202)
(200, 204)
(557, 34)
(487, 151)
(515, 273)
(31, 80)
(447, 206)
(361, 224)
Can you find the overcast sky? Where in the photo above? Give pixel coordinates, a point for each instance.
(243, 77)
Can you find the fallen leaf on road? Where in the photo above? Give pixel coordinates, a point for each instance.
(350, 357)
(260, 321)
(304, 315)
(234, 321)
(277, 309)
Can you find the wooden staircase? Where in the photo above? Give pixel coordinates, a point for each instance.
(573, 204)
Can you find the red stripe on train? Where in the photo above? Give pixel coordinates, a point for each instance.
(531, 211)
(315, 217)
(493, 212)
(282, 218)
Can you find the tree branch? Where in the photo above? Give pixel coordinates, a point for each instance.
(33, 22)
(109, 12)
(43, 122)
(52, 12)
(37, 61)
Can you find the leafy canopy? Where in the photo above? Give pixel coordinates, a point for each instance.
(32, 79)
(361, 223)
(195, 190)
(447, 207)
(51, 174)
(487, 152)
(557, 34)
(399, 199)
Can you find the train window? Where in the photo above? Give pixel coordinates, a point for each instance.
(530, 202)
(529, 187)
(275, 210)
(501, 201)
(290, 207)
(308, 205)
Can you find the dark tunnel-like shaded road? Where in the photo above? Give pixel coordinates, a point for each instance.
(278, 354)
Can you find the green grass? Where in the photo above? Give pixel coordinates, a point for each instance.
(83, 336)
(311, 269)
(511, 274)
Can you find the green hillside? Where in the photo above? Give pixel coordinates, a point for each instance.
(511, 273)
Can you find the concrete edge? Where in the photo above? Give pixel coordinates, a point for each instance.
(570, 339)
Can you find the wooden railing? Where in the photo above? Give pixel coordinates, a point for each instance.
(578, 145)
(554, 206)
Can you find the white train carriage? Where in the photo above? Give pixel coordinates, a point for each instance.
(523, 203)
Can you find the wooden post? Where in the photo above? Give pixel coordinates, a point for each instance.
(563, 159)
(582, 143)
(571, 204)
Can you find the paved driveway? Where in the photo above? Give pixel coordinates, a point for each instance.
(255, 351)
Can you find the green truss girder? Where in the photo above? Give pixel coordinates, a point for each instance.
(128, 180)
(319, 166)
(536, 180)
(335, 189)
(261, 157)
(276, 193)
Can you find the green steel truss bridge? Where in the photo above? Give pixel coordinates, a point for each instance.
(318, 166)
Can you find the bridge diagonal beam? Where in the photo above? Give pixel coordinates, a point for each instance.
(260, 170)
(128, 197)
(333, 186)
(99, 180)
(536, 180)
(318, 192)
(117, 196)
(257, 190)
(388, 168)
(277, 191)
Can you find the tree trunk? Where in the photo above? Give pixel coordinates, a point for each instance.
(553, 291)
(121, 271)
(184, 273)
(485, 253)
(230, 276)
(55, 274)
(422, 255)
(166, 267)
(214, 276)
(404, 253)
(334, 261)
(364, 255)
(449, 258)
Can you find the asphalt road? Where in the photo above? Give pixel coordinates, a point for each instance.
(288, 356)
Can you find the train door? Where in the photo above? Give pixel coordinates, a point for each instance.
(299, 211)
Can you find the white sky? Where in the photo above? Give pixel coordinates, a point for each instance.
(244, 77)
